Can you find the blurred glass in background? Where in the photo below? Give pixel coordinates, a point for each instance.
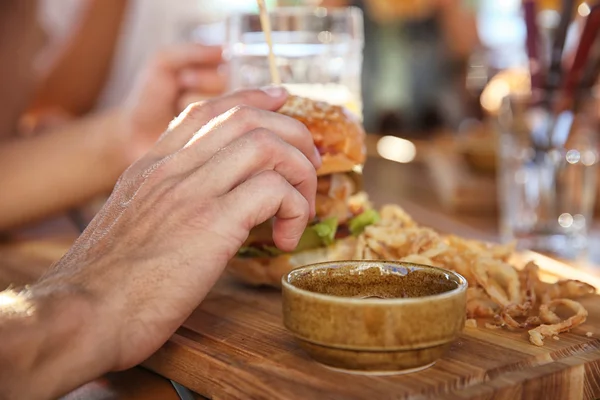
(207, 23)
(318, 52)
(548, 175)
(415, 57)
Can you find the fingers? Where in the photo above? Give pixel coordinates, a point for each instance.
(185, 55)
(257, 151)
(197, 115)
(203, 80)
(228, 127)
(264, 195)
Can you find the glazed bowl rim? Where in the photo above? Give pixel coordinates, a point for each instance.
(461, 284)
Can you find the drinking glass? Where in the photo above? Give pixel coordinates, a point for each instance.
(318, 52)
(548, 182)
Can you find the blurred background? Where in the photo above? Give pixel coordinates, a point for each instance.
(427, 77)
(426, 62)
(425, 66)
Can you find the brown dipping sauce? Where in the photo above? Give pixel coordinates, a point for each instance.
(387, 281)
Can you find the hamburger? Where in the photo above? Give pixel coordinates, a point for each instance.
(342, 209)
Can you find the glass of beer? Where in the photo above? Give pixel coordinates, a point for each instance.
(318, 52)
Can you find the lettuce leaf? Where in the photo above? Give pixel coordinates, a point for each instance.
(314, 236)
(326, 230)
(358, 224)
(317, 235)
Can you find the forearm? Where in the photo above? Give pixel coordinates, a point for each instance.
(57, 170)
(81, 70)
(52, 341)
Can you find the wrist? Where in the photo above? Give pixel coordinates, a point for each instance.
(116, 142)
(54, 340)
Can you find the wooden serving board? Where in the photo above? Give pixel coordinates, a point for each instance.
(235, 347)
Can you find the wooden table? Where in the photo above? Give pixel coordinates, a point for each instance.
(386, 182)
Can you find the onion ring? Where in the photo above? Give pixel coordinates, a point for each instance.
(479, 304)
(537, 335)
(488, 272)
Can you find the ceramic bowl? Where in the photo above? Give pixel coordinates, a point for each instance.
(374, 317)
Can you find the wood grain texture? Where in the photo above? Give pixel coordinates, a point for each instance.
(235, 347)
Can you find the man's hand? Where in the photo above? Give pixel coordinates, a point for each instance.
(179, 214)
(174, 220)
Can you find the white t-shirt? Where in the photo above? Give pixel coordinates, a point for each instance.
(148, 26)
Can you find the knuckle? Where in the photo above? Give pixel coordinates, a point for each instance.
(307, 168)
(298, 126)
(198, 110)
(261, 136)
(304, 174)
(243, 112)
(263, 141)
(311, 178)
(273, 180)
(306, 136)
(304, 207)
(247, 96)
